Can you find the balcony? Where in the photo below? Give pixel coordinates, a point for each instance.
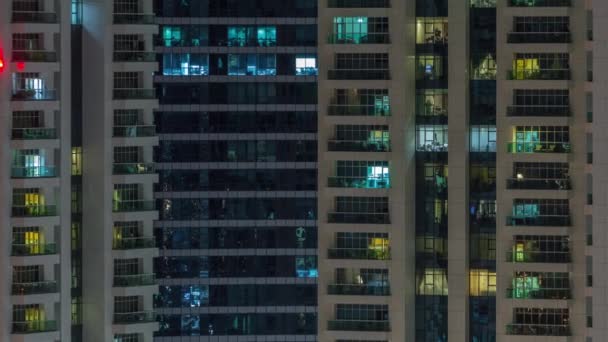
(358, 146)
(20, 172)
(539, 220)
(544, 74)
(134, 56)
(358, 290)
(34, 210)
(538, 329)
(133, 19)
(134, 243)
(357, 110)
(371, 38)
(539, 293)
(358, 3)
(133, 168)
(33, 249)
(375, 218)
(33, 133)
(135, 205)
(348, 325)
(34, 95)
(359, 253)
(538, 37)
(357, 74)
(39, 287)
(358, 182)
(539, 3)
(135, 317)
(538, 257)
(35, 56)
(30, 327)
(134, 94)
(34, 17)
(539, 184)
(137, 131)
(539, 147)
(134, 280)
(538, 111)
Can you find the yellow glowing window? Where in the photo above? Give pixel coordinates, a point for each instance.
(33, 199)
(76, 161)
(378, 244)
(33, 241)
(519, 252)
(482, 282)
(525, 67)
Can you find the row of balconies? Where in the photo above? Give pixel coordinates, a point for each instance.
(512, 329)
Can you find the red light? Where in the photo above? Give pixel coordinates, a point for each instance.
(20, 66)
(1, 64)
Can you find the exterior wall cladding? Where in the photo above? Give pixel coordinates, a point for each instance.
(237, 166)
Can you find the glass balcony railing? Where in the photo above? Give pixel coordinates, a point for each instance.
(33, 172)
(538, 257)
(358, 146)
(38, 287)
(359, 253)
(357, 110)
(34, 17)
(134, 205)
(538, 329)
(371, 38)
(33, 133)
(358, 3)
(135, 317)
(539, 184)
(357, 74)
(539, 147)
(33, 249)
(29, 327)
(341, 217)
(539, 293)
(358, 290)
(539, 3)
(34, 95)
(133, 168)
(137, 131)
(538, 37)
(520, 110)
(134, 94)
(135, 280)
(541, 74)
(358, 182)
(352, 325)
(34, 56)
(539, 220)
(134, 18)
(134, 243)
(34, 210)
(134, 56)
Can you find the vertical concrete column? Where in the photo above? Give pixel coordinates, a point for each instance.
(5, 158)
(97, 264)
(458, 172)
(599, 332)
(64, 205)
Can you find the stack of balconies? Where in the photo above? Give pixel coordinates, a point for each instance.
(133, 174)
(538, 259)
(35, 151)
(357, 154)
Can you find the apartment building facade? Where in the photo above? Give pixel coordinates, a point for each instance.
(237, 170)
(509, 82)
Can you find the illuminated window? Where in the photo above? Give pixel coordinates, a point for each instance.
(360, 30)
(482, 282)
(76, 161)
(306, 267)
(431, 30)
(432, 282)
(306, 65)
